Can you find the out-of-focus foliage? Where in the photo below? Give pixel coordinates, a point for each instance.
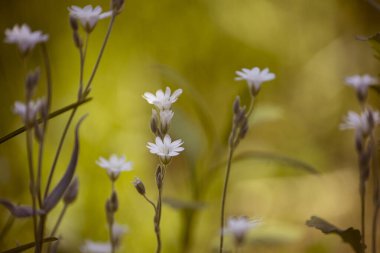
(198, 45)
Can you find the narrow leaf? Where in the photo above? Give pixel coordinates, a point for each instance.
(29, 245)
(57, 193)
(19, 211)
(350, 235)
(294, 163)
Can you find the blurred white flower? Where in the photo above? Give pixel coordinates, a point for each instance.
(88, 16)
(255, 77)
(24, 37)
(361, 122)
(361, 82)
(21, 110)
(239, 226)
(95, 247)
(165, 149)
(114, 165)
(118, 231)
(163, 101)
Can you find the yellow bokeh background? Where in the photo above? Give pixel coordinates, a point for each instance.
(197, 46)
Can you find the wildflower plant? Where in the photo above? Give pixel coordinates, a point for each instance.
(254, 78)
(35, 114)
(163, 147)
(364, 124)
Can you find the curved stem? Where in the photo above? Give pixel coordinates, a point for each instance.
(59, 220)
(87, 89)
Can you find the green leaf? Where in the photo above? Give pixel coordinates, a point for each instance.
(29, 245)
(54, 197)
(351, 236)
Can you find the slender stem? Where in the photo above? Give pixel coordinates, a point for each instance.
(157, 221)
(87, 89)
(29, 145)
(59, 220)
(362, 215)
(374, 228)
(6, 227)
(229, 163)
(150, 202)
(82, 54)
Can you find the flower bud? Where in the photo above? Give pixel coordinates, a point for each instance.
(112, 203)
(236, 105)
(139, 185)
(159, 176)
(73, 23)
(77, 40)
(154, 122)
(117, 6)
(31, 82)
(71, 192)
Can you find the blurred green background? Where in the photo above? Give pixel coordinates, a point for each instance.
(197, 46)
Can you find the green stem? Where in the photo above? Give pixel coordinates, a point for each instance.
(87, 89)
(226, 179)
(374, 228)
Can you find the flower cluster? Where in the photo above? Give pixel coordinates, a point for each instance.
(162, 115)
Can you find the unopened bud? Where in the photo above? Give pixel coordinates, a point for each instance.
(77, 40)
(243, 129)
(154, 122)
(117, 6)
(71, 192)
(44, 109)
(239, 117)
(236, 105)
(73, 23)
(112, 203)
(31, 82)
(159, 176)
(139, 185)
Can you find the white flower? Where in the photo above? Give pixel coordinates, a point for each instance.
(361, 122)
(255, 77)
(104, 247)
(118, 231)
(21, 110)
(162, 100)
(361, 82)
(239, 226)
(114, 165)
(24, 37)
(165, 149)
(88, 16)
(95, 247)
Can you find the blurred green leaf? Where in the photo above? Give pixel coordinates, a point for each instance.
(183, 205)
